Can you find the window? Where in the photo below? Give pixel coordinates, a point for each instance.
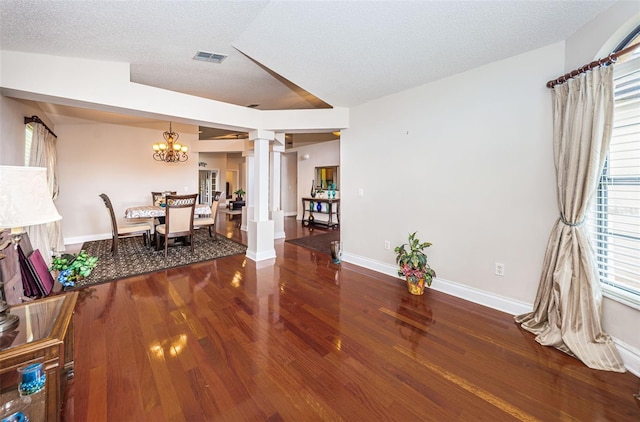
(28, 135)
(615, 213)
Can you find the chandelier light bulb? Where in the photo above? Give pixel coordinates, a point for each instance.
(177, 147)
(184, 148)
(156, 147)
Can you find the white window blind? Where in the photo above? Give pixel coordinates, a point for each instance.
(614, 221)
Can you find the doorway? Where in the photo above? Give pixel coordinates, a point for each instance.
(232, 184)
(207, 184)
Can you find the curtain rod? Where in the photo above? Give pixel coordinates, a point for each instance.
(36, 119)
(611, 58)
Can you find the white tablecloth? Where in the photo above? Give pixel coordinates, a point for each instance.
(151, 211)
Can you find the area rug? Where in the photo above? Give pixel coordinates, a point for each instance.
(134, 258)
(318, 242)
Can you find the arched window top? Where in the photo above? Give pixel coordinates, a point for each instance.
(628, 41)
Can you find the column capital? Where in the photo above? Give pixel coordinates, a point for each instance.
(277, 148)
(279, 139)
(261, 134)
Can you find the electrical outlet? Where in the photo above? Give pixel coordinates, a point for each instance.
(499, 269)
(387, 245)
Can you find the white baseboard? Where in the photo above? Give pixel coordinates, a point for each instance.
(371, 264)
(79, 240)
(630, 356)
(261, 256)
(452, 288)
(491, 300)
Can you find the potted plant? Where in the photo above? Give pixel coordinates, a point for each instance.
(239, 194)
(73, 267)
(412, 264)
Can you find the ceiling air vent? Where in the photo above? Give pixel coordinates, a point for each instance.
(209, 57)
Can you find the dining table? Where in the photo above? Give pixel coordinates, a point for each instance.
(153, 211)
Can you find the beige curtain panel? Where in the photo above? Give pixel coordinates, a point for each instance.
(567, 309)
(46, 237)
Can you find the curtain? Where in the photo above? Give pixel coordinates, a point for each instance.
(567, 309)
(46, 237)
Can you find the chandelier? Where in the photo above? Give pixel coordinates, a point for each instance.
(170, 151)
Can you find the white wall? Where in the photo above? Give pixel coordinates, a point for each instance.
(289, 184)
(468, 163)
(116, 160)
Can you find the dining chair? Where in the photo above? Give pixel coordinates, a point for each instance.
(210, 221)
(179, 212)
(120, 231)
(159, 196)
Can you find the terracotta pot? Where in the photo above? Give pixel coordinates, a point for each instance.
(417, 287)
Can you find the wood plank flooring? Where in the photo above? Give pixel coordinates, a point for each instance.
(308, 340)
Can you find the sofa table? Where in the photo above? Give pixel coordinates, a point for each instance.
(329, 207)
(44, 335)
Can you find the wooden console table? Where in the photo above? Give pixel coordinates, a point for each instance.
(328, 207)
(44, 335)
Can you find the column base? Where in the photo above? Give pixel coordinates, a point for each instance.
(260, 240)
(278, 224)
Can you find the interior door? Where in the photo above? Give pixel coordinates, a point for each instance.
(207, 184)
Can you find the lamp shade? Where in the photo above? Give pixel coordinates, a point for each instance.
(25, 199)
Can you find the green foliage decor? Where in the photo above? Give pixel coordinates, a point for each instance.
(412, 261)
(73, 267)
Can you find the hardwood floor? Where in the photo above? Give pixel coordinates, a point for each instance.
(308, 340)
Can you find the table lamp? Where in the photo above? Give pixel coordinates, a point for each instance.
(25, 200)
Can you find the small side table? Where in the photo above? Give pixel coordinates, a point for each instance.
(331, 207)
(44, 335)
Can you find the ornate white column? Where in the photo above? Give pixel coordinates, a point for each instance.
(260, 228)
(247, 210)
(277, 214)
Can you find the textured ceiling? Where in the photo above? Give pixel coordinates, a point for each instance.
(291, 54)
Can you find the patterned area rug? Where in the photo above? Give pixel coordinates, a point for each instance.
(134, 258)
(318, 242)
